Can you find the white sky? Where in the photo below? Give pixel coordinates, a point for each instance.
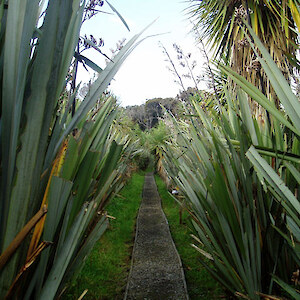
(144, 74)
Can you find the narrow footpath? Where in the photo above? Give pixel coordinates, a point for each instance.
(156, 269)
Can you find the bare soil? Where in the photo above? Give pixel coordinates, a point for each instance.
(156, 269)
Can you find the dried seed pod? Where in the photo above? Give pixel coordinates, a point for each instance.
(295, 277)
(240, 14)
(243, 43)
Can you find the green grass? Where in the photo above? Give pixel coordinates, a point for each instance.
(106, 269)
(199, 281)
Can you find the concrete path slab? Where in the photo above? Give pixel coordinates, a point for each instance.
(156, 269)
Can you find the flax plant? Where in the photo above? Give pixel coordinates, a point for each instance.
(58, 170)
(240, 178)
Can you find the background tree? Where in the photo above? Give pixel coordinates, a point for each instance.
(219, 23)
(148, 115)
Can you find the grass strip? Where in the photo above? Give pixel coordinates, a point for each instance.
(105, 272)
(200, 284)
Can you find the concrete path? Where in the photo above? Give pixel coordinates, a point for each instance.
(156, 269)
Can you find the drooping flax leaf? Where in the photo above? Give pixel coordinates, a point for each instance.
(118, 14)
(273, 180)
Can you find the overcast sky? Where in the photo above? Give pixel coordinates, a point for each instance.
(144, 75)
